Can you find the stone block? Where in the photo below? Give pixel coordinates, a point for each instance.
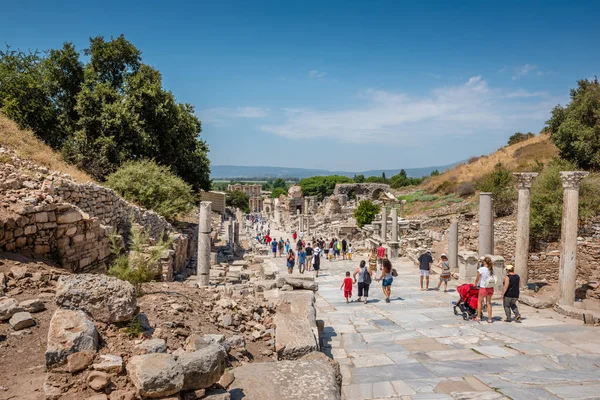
(70, 331)
(69, 217)
(296, 328)
(467, 266)
(155, 375)
(21, 320)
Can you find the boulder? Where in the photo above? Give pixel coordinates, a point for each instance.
(296, 327)
(33, 305)
(70, 331)
(109, 363)
(236, 341)
(203, 368)
(152, 346)
(290, 380)
(79, 361)
(196, 341)
(155, 375)
(105, 298)
(21, 320)
(8, 308)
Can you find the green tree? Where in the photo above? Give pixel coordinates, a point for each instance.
(359, 178)
(279, 183)
(435, 172)
(519, 137)
(365, 212)
(500, 182)
(153, 186)
(322, 186)
(575, 129)
(278, 192)
(238, 199)
(383, 177)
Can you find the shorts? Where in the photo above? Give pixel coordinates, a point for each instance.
(363, 289)
(423, 272)
(387, 282)
(336, 252)
(486, 291)
(347, 293)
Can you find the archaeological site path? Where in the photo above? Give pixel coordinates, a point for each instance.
(416, 348)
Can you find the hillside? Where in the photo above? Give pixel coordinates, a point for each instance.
(521, 156)
(239, 171)
(29, 147)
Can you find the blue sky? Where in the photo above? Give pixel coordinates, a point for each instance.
(347, 85)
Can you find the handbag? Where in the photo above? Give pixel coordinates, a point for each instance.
(394, 272)
(491, 281)
(367, 277)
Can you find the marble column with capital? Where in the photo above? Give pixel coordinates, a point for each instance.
(567, 275)
(524, 180)
(486, 224)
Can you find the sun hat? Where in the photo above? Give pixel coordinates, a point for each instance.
(444, 255)
(509, 267)
(428, 251)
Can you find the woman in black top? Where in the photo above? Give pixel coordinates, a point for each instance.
(510, 294)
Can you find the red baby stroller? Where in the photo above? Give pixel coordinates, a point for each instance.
(467, 304)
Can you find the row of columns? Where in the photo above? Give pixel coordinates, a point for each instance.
(571, 181)
(394, 214)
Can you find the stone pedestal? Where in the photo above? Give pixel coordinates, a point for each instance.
(393, 249)
(568, 241)
(522, 245)
(394, 224)
(453, 245)
(467, 266)
(486, 224)
(204, 229)
(383, 223)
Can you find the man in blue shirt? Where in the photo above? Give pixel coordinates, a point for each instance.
(301, 260)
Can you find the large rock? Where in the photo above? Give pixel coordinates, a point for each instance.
(197, 341)
(21, 320)
(155, 375)
(70, 331)
(33, 305)
(203, 368)
(296, 326)
(537, 302)
(8, 308)
(152, 346)
(290, 380)
(105, 298)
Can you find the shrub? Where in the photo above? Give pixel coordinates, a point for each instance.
(472, 160)
(139, 264)
(365, 212)
(238, 199)
(500, 182)
(152, 186)
(519, 137)
(465, 189)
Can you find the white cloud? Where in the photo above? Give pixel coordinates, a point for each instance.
(218, 116)
(317, 74)
(402, 119)
(524, 70)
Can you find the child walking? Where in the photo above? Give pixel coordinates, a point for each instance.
(350, 252)
(445, 276)
(347, 286)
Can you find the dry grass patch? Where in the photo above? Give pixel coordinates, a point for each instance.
(520, 156)
(29, 147)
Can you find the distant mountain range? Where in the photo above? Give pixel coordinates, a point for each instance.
(240, 171)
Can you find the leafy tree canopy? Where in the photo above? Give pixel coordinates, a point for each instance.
(519, 137)
(500, 182)
(238, 199)
(322, 186)
(106, 112)
(278, 192)
(575, 129)
(365, 212)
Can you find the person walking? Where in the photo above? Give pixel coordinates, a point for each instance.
(287, 246)
(309, 256)
(387, 278)
(301, 260)
(373, 261)
(445, 276)
(316, 261)
(280, 246)
(291, 260)
(294, 236)
(325, 248)
(362, 275)
(380, 255)
(425, 261)
(344, 249)
(350, 251)
(274, 248)
(347, 286)
(510, 294)
(486, 281)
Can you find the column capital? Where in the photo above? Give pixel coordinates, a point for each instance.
(524, 179)
(572, 179)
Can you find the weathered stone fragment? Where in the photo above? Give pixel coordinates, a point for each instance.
(296, 327)
(70, 331)
(152, 346)
(204, 367)
(8, 308)
(155, 375)
(21, 320)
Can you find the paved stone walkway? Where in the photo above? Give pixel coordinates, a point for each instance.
(416, 348)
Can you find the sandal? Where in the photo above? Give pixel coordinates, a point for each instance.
(517, 318)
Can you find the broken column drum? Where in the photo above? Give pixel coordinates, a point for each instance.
(453, 245)
(486, 224)
(568, 241)
(522, 245)
(204, 230)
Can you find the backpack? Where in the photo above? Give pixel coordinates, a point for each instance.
(394, 272)
(366, 277)
(491, 281)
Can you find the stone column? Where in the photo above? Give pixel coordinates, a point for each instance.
(394, 224)
(486, 224)
(522, 246)
(402, 203)
(305, 205)
(204, 229)
(384, 223)
(568, 239)
(299, 221)
(236, 232)
(453, 245)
